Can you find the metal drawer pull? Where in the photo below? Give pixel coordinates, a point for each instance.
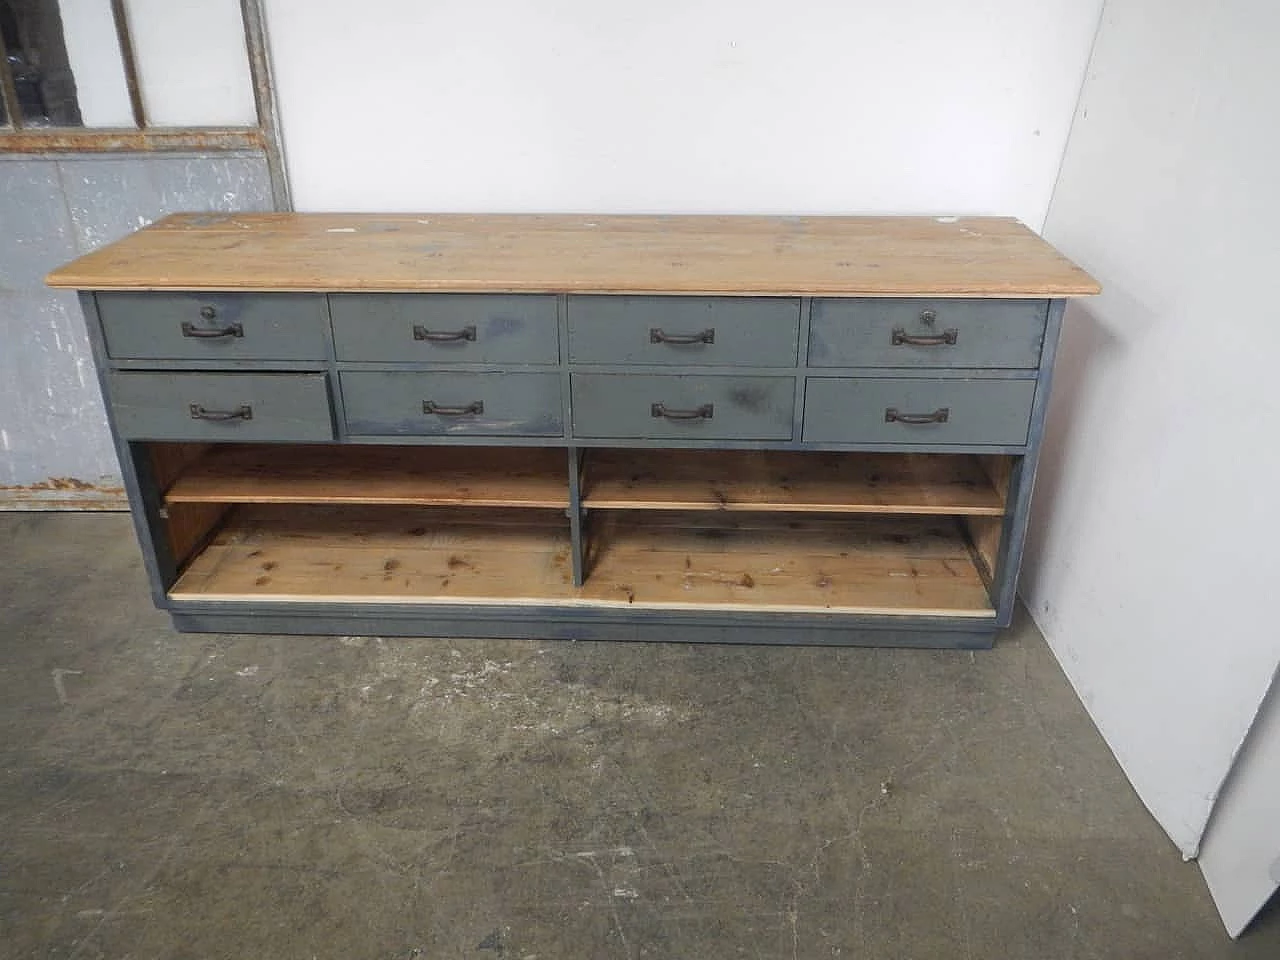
(243, 412)
(444, 336)
(211, 333)
(941, 415)
(659, 411)
(474, 407)
(946, 338)
(658, 335)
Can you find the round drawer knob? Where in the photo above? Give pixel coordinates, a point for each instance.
(207, 312)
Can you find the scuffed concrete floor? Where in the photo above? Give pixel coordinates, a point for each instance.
(184, 796)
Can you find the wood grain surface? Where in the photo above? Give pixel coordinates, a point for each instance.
(727, 255)
(905, 567)
(456, 476)
(782, 481)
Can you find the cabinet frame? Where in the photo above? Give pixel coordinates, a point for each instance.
(551, 620)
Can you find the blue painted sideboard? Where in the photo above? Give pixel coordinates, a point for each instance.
(728, 429)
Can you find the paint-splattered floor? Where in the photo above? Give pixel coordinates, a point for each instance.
(164, 795)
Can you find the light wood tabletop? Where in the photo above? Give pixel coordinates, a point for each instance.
(711, 255)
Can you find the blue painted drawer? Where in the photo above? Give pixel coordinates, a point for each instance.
(880, 332)
(684, 331)
(445, 328)
(221, 406)
(906, 410)
(214, 326)
(665, 406)
(452, 404)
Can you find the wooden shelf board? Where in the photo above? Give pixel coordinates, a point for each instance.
(640, 561)
(907, 566)
(933, 484)
(446, 476)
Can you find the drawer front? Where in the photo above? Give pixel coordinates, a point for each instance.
(214, 326)
(684, 331)
(453, 404)
(445, 328)
(918, 411)
(221, 406)
(927, 333)
(674, 406)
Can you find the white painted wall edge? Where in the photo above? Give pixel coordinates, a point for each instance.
(1240, 850)
(1155, 605)
(1071, 126)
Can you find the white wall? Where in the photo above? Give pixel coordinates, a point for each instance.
(94, 54)
(1152, 559)
(193, 68)
(820, 106)
(192, 64)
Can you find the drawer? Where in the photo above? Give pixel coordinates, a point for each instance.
(926, 333)
(674, 406)
(445, 328)
(453, 404)
(214, 326)
(918, 411)
(221, 406)
(684, 331)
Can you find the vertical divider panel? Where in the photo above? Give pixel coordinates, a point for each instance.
(576, 537)
(566, 382)
(577, 541)
(337, 407)
(801, 369)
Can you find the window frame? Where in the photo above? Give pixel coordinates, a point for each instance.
(15, 137)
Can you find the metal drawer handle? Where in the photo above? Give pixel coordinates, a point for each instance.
(946, 338)
(659, 411)
(658, 335)
(444, 336)
(211, 333)
(941, 415)
(474, 407)
(243, 412)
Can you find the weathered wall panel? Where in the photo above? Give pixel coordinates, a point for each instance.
(55, 450)
(110, 198)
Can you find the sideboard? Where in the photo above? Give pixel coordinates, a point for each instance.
(728, 429)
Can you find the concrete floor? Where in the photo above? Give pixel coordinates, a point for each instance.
(183, 796)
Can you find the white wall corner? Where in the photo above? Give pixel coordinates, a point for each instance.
(672, 107)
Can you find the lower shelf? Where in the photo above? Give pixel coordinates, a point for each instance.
(655, 560)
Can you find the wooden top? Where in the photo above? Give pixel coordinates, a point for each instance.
(833, 256)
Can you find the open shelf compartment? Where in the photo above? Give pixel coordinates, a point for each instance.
(630, 479)
(790, 482)
(910, 566)
(341, 553)
(907, 566)
(354, 474)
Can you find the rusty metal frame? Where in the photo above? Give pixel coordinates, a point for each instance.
(9, 90)
(264, 98)
(265, 136)
(124, 140)
(120, 17)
